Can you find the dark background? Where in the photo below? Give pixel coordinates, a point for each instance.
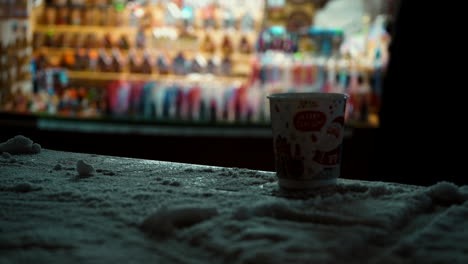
(254, 152)
(421, 139)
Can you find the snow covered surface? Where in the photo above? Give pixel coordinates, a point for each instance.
(142, 211)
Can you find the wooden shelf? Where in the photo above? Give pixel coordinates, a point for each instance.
(111, 76)
(236, 57)
(85, 29)
(132, 29)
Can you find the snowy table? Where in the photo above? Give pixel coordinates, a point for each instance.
(142, 211)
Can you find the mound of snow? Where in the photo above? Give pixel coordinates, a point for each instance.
(20, 145)
(84, 169)
(446, 193)
(6, 155)
(166, 220)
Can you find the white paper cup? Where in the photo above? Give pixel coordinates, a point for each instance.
(308, 132)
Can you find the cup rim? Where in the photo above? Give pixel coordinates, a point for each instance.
(316, 95)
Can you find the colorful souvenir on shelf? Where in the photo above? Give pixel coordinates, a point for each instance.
(120, 19)
(108, 41)
(21, 101)
(226, 66)
(208, 16)
(213, 65)
(104, 61)
(277, 38)
(171, 14)
(146, 66)
(327, 41)
(187, 16)
(78, 3)
(89, 16)
(62, 16)
(101, 16)
(91, 41)
(134, 62)
(298, 20)
(198, 64)
(76, 17)
(101, 3)
(122, 102)
(81, 93)
(277, 43)
(22, 39)
(66, 40)
(93, 60)
(262, 42)
(117, 61)
(38, 40)
(226, 46)
(82, 59)
(76, 41)
(247, 22)
(210, 67)
(60, 2)
(49, 16)
(229, 20)
(289, 44)
(140, 39)
(336, 41)
(107, 17)
(244, 45)
(123, 42)
(162, 64)
(59, 83)
(208, 44)
(59, 40)
(187, 33)
(41, 62)
(179, 64)
(49, 39)
(68, 60)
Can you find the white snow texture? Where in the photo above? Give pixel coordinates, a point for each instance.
(141, 211)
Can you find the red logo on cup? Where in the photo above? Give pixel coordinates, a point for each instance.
(309, 120)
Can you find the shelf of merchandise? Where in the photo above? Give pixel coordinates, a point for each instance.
(190, 49)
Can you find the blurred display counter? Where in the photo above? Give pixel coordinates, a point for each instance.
(248, 146)
(142, 127)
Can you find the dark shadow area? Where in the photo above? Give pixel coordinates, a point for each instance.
(242, 152)
(417, 142)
